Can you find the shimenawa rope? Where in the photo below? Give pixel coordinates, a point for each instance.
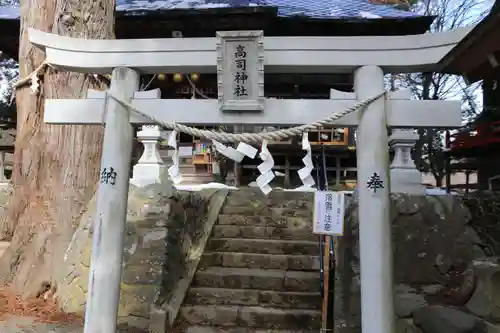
(249, 137)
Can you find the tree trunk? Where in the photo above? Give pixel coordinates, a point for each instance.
(57, 166)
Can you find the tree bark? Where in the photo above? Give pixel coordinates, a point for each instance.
(57, 166)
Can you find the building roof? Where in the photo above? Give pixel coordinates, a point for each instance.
(472, 52)
(321, 9)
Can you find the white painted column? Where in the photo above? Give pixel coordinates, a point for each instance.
(405, 178)
(109, 223)
(377, 299)
(150, 166)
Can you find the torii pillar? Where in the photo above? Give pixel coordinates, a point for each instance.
(377, 295)
(374, 188)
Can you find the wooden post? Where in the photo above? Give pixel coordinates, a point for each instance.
(287, 172)
(326, 280)
(467, 181)
(447, 168)
(109, 224)
(377, 306)
(337, 170)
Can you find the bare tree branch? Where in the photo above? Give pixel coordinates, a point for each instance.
(450, 14)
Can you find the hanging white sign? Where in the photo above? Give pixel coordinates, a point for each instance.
(328, 215)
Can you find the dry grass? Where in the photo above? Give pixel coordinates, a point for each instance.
(43, 311)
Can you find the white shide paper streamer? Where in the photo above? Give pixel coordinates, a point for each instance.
(305, 172)
(243, 149)
(237, 154)
(265, 169)
(174, 171)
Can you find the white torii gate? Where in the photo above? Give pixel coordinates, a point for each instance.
(127, 59)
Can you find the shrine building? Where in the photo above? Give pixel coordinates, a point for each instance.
(203, 18)
(474, 149)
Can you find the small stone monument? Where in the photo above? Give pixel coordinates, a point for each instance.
(150, 166)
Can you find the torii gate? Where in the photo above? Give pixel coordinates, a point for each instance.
(228, 53)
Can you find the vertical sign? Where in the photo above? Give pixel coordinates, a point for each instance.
(328, 216)
(375, 182)
(240, 76)
(240, 70)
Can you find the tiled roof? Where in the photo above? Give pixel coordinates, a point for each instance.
(334, 9)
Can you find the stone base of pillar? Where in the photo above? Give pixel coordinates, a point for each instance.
(408, 181)
(146, 174)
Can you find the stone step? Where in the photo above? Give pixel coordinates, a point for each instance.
(273, 212)
(266, 221)
(274, 197)
(196, 178)
(258, 203)
(209, 329)
(187, 168)
(250, 316)
(269, 246)
(262, 279)
(251, 297)
(261, 260)
(235, 231)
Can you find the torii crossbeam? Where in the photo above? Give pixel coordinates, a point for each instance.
(401, 112)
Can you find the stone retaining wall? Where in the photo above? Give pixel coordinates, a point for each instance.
(434, 246)
(440, 269)
(165, 237)
(484, 208)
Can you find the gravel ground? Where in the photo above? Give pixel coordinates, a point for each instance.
(29, 325)
(17, 324)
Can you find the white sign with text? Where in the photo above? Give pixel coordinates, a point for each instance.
(328, 213)
(240, 70)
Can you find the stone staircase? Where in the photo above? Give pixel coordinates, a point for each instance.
(190, 176)
(260, 269)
